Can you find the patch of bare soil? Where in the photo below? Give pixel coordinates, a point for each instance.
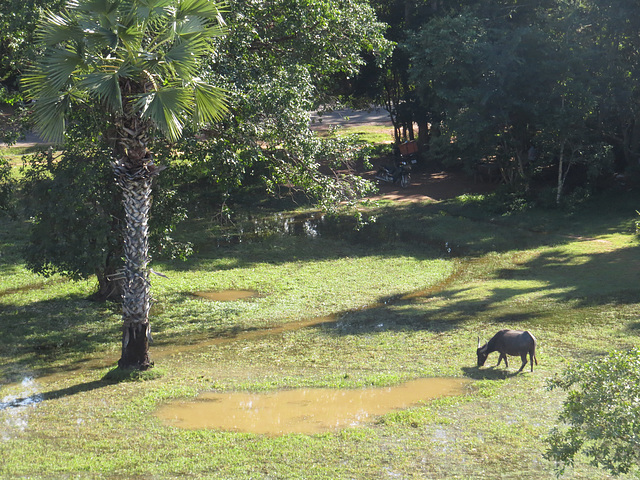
(430, 185)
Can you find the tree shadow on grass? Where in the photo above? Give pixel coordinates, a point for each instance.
(111, 378)
(42, 332)
(552, 280)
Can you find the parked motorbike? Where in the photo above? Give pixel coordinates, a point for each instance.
(395, 174)
(407, 153)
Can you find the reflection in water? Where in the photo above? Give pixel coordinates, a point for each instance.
(18, 407)
(316, 225)
(303, 410)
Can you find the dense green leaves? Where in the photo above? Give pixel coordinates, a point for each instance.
(76, 211)
(487, 80)
(123, 54)
(276, 61)
(18, 20)
(601, 413)
(7, 185)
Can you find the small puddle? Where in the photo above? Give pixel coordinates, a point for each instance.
(17, 408)
(307, 411)
(226, 295)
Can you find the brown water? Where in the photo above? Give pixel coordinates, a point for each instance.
(227, 295)
(306, 411)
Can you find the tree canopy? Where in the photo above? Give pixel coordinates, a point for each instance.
(487, 81)
(272, 65)
(601, 413)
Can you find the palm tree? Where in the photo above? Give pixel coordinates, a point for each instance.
(138, 61)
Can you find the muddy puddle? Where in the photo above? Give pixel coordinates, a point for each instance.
(307, 411)
(226, 295)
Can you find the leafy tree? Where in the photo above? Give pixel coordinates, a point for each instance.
(607, 34)
(277, 62)
(18, 19)
(601, 413)
(76, 212)
(138, 60)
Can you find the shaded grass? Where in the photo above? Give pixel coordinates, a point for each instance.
(573, 283)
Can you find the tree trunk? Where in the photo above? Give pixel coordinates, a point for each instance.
(561, 175)
(109, 286)
(135, 179)
(423, 133)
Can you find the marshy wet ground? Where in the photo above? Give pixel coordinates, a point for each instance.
(306, 411)
(301, 411)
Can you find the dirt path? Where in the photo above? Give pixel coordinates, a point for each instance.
(434, 186)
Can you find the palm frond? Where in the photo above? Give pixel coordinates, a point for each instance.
(34, 81)
(182, 57)
(59, 64)
(50, 115)
(105, 86)
(163, 108)
(209, 102)
(93, 8)
(202, 8)
(58, 28)
(150, 12)
(131, 37)
(190, 26)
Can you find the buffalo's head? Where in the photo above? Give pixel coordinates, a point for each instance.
(482, 353)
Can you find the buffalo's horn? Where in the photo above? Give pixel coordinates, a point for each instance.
(478, 342)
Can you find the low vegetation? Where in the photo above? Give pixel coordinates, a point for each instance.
(404, 297)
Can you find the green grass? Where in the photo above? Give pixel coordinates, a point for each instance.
(398, 306)
(15, 154)
(368, 134)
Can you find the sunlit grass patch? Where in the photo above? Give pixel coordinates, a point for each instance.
(391, 308)
(367, 134)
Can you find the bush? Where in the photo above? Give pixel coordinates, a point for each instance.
(7, 185)
(602, 411)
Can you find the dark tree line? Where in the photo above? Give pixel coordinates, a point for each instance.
(536, 94)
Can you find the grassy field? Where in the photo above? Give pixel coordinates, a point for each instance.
(404, 298)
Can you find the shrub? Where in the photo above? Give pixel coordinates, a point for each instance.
(601, 413)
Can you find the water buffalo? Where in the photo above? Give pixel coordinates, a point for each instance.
(509, 342)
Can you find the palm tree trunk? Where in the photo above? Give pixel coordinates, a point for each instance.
(135, 182)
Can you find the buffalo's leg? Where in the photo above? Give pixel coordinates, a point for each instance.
(532, 358)
(524, 362)
(503, 356)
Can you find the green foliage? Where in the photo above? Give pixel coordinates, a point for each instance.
(132, 58)
(7, 186)
(493, 78)
(76, 210)
(602, 411)
(18, 20)
(323, 36)
(276, 61)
